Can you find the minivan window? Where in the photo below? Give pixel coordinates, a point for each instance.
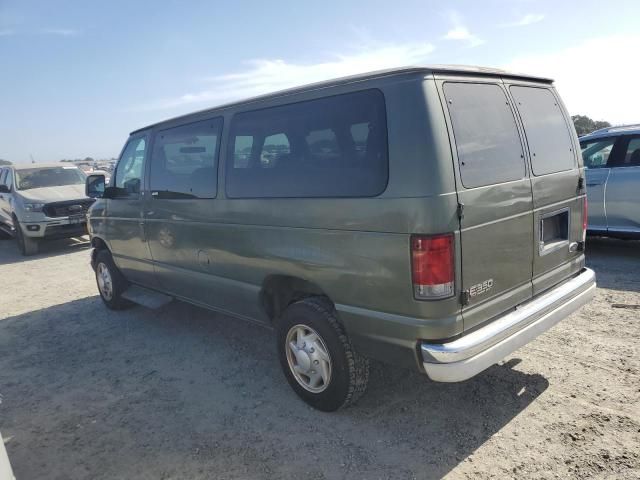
(184, 161)
(596, 153)
(546, 130)
(487, 140)
(129, 170)
(29, 178)
(330, 147)
(632, 154)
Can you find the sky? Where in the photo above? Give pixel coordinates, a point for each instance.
(77, 76)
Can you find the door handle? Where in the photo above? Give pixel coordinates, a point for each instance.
(594, 183)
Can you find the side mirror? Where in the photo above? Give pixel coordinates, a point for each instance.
(4, 189)
(94, 186)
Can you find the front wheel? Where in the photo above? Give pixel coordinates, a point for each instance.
(26, 245)
(111, 282)
(317, 357)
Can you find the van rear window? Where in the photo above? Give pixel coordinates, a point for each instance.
(487, 141)
(330, 147)
(546, 130)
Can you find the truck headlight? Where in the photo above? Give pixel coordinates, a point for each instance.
(33, 207)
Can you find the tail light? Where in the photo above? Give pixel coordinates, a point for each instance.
(432, 266)
(585, 210)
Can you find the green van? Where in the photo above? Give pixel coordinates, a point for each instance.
(429, 217)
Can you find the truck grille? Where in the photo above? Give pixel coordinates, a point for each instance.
(64, 209)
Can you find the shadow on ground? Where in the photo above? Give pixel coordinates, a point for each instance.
(615, 262)
(9, 252)
(184, 393)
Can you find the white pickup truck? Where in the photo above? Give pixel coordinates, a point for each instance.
(40, 202)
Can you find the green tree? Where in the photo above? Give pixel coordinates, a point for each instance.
(586, 125)
(4, 162)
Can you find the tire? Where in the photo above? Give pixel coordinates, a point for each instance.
(27, 246)
(111, 283)
(304, 330)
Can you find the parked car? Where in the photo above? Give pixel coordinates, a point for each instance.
(612, 163)
(42, 202)
(428, 217)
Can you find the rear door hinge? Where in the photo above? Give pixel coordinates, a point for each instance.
(460, 210)
(464, 297)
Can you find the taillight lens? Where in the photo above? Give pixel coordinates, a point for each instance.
(432, 266)
(585, 210)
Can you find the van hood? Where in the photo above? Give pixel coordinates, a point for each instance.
(53, 194)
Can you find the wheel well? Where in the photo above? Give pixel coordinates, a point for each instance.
(99, 244)
(280, 291)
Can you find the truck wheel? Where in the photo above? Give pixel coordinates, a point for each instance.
(111, 282)
(26, 245)
(317, 357)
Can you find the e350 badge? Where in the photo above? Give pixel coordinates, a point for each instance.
(480, 288)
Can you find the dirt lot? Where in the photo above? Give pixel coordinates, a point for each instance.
(185, 393)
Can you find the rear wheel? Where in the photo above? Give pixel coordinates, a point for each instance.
(111, 282)
(26, 245)
(317, 357)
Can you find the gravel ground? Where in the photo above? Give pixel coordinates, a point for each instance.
(185, 393)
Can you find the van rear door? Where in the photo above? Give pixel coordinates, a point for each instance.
(557, 183)
(494, 194)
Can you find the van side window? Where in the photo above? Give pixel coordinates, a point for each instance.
(596, 153)
(546, 130)
(487, 140)
(184, 161)
(330, 147)
(274, 149)
(243, 146)
(129, 170)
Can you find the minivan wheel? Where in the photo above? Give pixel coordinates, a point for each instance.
(26, 245)
(317, 357)
(111, 282)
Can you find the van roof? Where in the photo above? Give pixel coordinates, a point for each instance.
(427, 69)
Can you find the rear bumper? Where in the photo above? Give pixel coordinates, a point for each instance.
(470, 354)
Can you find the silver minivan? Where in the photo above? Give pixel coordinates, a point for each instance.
(612, 163)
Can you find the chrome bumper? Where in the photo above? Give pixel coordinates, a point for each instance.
(467, 356)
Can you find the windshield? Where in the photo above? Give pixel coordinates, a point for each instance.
(48, 177)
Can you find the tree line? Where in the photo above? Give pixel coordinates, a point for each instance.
(586, 125)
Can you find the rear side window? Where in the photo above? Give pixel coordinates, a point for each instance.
(184, 161)
(632, 154)
(546, 130)
(486, 136)
(330, 147)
